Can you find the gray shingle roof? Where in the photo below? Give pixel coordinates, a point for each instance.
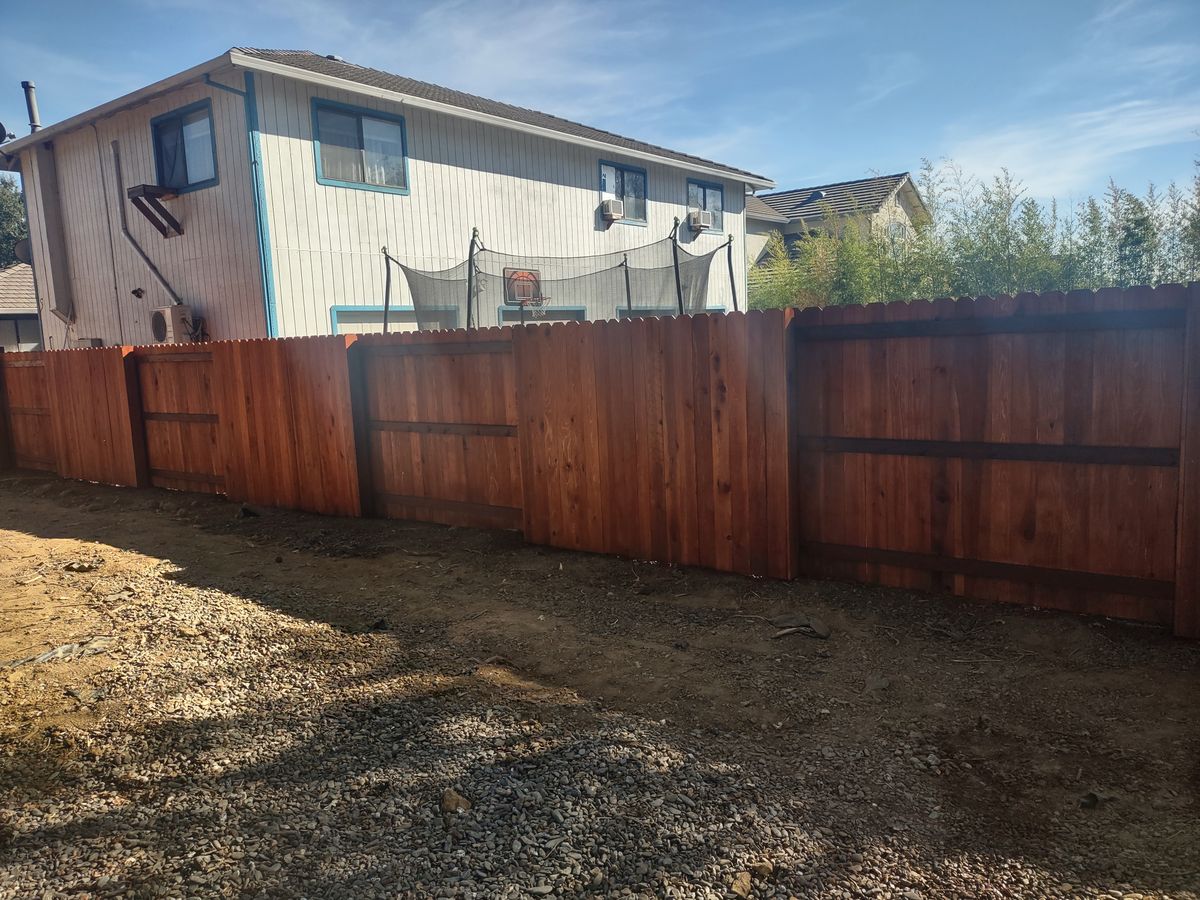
(864, 196)
(308, 61)
(16, 289)
(756, 209)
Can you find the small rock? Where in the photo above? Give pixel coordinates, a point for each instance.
(741, 884)
(763, 869)
(453, 801)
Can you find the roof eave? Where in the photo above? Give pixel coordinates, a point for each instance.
(138, 97)
(761, 217)
(273, 68)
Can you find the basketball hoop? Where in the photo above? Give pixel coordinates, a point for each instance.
(523, 288)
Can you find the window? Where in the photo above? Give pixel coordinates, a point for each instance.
(185, 148)
(627, 184)
(897, 232)
(369, 319)
(512, 315)
(20, 333)
(359, 148)
(652, 312)
(702, 195)
(647, 312)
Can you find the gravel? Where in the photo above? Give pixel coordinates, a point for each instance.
(245, 752)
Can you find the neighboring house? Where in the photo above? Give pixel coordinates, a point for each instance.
(286, 172)
(888, 204)
(18, 310)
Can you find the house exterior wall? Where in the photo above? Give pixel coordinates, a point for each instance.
(526, 194)
(757, 234)
(213, 266)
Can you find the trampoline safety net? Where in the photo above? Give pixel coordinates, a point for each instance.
(506, 289)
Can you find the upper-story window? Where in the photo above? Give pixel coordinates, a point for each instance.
(703, 195)
(359, 148)
(625, 183)
(185, 149)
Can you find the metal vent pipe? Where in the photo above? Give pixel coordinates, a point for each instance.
(35, 120)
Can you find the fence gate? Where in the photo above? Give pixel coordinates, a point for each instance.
(437, 427)
(181, 421)
(25, 396)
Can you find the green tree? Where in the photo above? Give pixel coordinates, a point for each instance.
(13, 226)
(987, 237)
(1136, 244)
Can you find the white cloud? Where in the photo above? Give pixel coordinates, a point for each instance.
(886, 75)
(1061, 154)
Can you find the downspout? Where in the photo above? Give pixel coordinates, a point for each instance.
(259, 191)
(158, 276)
(37, 295)
(112, 250)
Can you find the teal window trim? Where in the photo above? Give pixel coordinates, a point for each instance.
(625, 167)
(508, 315)
(360, 111)
(655, 312)
(206, 105)
(335, 313)
(709, 185)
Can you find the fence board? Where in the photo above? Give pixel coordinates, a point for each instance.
(180, 418)
(26, 403)
(95, 415)
(439, 425)
(637, 439)
(287, 435)
(1002, 448)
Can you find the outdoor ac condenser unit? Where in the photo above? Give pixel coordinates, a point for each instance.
(700, 219)
(612, 210)
(171, 324)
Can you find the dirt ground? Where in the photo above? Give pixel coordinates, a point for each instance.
(995, 739)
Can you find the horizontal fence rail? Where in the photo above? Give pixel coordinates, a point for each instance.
(1042, 449)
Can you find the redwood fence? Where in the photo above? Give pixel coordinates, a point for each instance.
(1038, 449)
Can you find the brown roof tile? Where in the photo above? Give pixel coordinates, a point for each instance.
(16, 289)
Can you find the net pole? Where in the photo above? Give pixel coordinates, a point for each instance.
(732, 281)
(387, 287)
(675, 256)
(471, 274)
(628, 291)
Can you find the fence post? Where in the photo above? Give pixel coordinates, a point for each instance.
(6, 448)
(137, 424)
(360, 413)
(1187, 546)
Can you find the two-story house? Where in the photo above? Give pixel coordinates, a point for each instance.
(257, 189)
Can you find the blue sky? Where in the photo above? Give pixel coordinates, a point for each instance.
(1065, 93)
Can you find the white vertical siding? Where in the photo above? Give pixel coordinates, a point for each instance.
(214, 265)
(54, 331)
(526, 194)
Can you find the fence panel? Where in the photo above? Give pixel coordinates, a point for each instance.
(25, 402)
(95, 415)
(287, 429)
(439, 421)
(1018, 449)
(659, 439)
(180, 417)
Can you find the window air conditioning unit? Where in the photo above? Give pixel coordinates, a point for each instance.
(171, 324)
(612, 210)
(700, 219)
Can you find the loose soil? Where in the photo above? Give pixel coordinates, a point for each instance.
(931, 745)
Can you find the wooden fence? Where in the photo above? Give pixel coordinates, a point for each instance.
(1042, 449)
